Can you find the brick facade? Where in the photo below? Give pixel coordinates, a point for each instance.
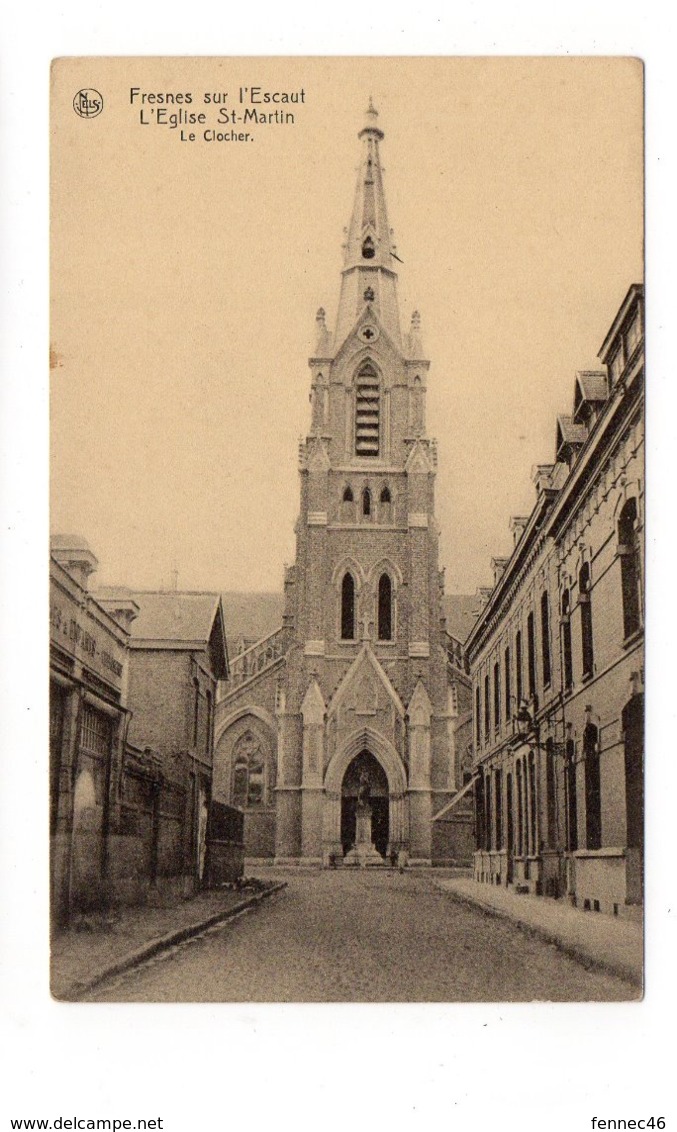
(560, 763)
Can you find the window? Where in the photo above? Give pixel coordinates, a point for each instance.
(208, 738)
(532, 847)
(531, 655)
(628, 552)
(348, 495)
(386, 505)
(348, 608)
(368, 249)
(633, 739)
(586, 619)
(507, 683)
(196, 708)
(520, 808)
(366, 502)
(550, 789)
(478, 717)
(571, 797)
(498, 792)
(385, 608)
(487, 708)
(479, 811)
(497, 696)
(565, 628)
(545, 638)
(95, 732)
(385, 495)
(367, 412)
(518, 668)
(248, 787)
(593, 799)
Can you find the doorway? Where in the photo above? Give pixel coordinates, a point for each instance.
(365, 765)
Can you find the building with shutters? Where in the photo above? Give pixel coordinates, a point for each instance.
(557, 658)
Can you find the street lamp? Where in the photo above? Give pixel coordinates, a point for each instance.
(523, 721)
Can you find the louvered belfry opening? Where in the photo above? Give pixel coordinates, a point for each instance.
(367, 412)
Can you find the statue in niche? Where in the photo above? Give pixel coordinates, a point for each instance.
(364, 791)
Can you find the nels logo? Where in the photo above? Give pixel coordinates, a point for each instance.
(88, 103)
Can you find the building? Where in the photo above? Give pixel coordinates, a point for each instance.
(177, 655)
(87, 732)
(556, 655)
(133, 682)
(362, 682)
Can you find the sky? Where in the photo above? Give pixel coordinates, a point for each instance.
(186, 277)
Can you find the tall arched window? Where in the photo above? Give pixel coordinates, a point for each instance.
(385, 608)
(385, 508)
(593, 794)
(531, 656)
(565, 629)
(348, 608)
(586, 619)
(571, 796)
(367, 412)
(366, 502)
(248, 772)
(633, 738)
(628, 552)
(348, 495)
(545, 638)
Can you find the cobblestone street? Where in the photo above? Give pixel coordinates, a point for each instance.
(364, 936)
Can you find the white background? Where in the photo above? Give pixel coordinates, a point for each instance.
(215, 1067)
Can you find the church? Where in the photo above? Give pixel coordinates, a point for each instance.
(358, 703)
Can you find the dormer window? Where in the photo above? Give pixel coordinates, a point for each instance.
(367, 412)
(368, 249)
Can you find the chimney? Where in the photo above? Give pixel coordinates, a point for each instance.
(74, 554)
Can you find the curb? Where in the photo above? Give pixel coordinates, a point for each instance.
(77, 989)
(621, 970)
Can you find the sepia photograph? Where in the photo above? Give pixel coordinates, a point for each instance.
(347, 530)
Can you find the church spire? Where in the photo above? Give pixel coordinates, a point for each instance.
(368, 275)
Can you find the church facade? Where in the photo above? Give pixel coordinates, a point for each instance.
(361, 690)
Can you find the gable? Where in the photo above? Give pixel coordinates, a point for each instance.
(365, 682)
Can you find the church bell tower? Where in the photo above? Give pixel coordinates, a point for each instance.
(337, 733)
(368, 668)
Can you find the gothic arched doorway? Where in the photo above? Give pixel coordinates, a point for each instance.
(365, 768)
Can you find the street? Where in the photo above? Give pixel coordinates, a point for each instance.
(363, 936)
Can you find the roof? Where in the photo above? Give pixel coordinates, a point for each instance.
(252, 615)
(636, 292)
(570, 433)
(590, 387)
(69, 542)
(169, 615)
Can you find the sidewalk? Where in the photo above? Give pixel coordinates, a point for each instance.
(81, 959)
(596, 940)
